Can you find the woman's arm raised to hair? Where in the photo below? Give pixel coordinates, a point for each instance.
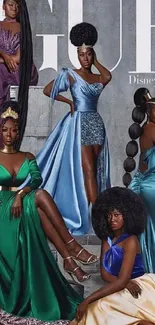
(105, 74)
(130, 250)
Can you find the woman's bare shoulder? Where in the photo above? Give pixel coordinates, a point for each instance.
(28, 155)
(15, 27)
(131, 243)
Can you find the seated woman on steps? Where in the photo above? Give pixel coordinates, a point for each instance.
(27, 217)
(128, 298)
(16, 56)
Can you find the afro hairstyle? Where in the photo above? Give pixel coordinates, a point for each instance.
(128, 203)
(83, 33)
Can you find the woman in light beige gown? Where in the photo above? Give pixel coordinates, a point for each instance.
(129, 297)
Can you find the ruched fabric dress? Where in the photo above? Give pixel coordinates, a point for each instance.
(9, 44)
(31, 284)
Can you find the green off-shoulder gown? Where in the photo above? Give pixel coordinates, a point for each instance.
(31, 284)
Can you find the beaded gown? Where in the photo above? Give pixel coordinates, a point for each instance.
(31, 284)
(9, 44)
(121, 307)
(60, 158)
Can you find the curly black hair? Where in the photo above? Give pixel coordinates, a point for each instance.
(128, 203)
(83, 33)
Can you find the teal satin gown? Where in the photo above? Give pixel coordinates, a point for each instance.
(31, 284)
(144, 185)
(60, 158)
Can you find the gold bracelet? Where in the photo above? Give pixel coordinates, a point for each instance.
(21, 192)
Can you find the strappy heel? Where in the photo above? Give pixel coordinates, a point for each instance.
(72, 273)
(91, 259)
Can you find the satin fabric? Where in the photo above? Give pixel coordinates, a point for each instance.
(9, 44)
(112, 260)
(144, 185)
(31, 284)
(121, 308)
(60, 158)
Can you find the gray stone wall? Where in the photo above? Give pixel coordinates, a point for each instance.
(127, 50)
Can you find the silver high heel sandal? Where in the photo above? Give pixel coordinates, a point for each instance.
(91, 259)
(73, 272)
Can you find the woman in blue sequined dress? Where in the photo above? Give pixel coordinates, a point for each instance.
(118, 217)
(75, 159)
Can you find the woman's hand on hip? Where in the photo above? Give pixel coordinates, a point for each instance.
(72, 108)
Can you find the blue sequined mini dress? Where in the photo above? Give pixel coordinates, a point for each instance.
(92, 129)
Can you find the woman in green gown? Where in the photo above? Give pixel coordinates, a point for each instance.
(31, 284)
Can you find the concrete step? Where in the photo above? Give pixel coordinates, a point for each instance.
(79, 288)
(41, 119)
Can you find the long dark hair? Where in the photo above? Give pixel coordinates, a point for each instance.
(25, 67)
(135, 131)
(26, 61)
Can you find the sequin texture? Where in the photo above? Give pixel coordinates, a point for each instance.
(8, 319)
(92, 129)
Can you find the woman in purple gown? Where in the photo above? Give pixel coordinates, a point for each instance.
(16, 56)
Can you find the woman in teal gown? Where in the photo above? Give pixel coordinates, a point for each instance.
(31, 284)
(143, 182)
(76, 153)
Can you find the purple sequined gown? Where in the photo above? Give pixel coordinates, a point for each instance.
(9, 44)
